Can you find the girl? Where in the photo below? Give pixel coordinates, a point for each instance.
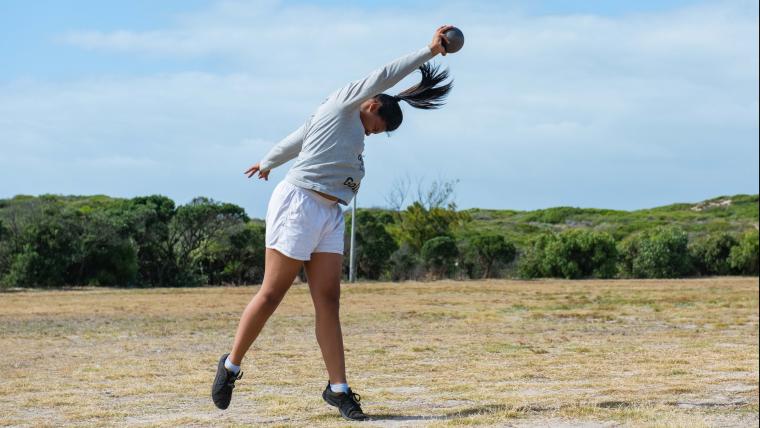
(304, 223)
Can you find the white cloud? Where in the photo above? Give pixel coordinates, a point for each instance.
(543, 106)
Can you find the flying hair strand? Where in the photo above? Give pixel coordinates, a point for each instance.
(427, 95)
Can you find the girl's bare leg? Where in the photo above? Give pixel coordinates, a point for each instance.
(323, 272)
(279, 273)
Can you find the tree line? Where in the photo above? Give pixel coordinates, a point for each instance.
(437, 244)
(54, 241)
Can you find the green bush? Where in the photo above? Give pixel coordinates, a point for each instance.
(490, 250)
(70, 241)
(559, 215)
(439, 254)
(54, 241)
(571, 254)
(192, 230)
(5, 253)
(744, 256)
(530, 264)
(710, 254)
(661, 252)
(404, 264)
(554, 215)
(154, 242)
(46, 250)
(418, 224)
(374, 245)
(236, 257)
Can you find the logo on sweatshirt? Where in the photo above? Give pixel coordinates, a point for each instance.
(361, 163)
(350, 183)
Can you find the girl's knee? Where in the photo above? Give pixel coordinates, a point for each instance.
(269, 298)
(331, 295)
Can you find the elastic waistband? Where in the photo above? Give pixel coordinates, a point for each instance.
(320, 198)
(312, 194)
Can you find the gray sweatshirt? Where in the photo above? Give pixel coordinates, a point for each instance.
(329, 145)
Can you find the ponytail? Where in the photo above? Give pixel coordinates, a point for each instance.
(426, 95)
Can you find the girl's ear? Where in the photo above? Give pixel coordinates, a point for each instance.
(374, 106)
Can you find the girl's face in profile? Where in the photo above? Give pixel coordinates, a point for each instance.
(373, 123)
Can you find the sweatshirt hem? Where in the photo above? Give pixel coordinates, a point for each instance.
(313, 186)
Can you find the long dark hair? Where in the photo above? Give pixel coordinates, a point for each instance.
(426, 95)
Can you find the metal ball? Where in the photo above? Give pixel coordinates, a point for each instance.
(456, 40)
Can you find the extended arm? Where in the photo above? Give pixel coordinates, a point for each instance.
(383, 78)
(388, 75)
(287, 149)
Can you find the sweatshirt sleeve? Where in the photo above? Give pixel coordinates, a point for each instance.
(287, 149)
(383, 78)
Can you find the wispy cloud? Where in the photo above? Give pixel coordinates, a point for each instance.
(547, 110)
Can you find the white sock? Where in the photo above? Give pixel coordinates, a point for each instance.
(231, 367)
(339, 387)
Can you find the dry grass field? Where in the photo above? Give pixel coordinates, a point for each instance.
(482, 353)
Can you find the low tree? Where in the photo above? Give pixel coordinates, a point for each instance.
(433, 213)
(439, 254)
(374, 245)
(5, 252)
(744, 256)
(571, 254)
(155, 253)
(404, 264)
(236, 256)
(710, 254)
(490, 249)
(45, 249)
(661, 252)
(193, 228)
(418, 224)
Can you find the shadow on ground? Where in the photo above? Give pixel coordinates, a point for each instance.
(487, 409)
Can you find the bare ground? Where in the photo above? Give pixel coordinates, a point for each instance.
(480, 353)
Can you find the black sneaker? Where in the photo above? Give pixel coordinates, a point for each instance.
(221, 390)
(347, 403)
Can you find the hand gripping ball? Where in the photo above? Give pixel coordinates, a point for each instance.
(456, 40)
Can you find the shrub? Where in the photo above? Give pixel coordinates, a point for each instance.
(193, 228)
(374, 245)
(236, 257)
(403, 264)
(554, 215)
(744, 256)
(439, 254)
(490, 250)
(531, 262)
(46, 250)
(571, 254)
(152, 238)
(418, 224)
(710, 254)
(5, 253)
(661, 252)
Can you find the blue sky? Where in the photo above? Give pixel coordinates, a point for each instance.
(614, 104)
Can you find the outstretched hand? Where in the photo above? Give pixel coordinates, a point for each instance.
(256, 168)
(439, 38)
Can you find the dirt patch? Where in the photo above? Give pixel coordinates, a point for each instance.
(449, 353)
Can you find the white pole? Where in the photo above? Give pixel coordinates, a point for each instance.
(352, 258)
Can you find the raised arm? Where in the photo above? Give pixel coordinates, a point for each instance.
(285, 150)
(388, 75)
(383, 78)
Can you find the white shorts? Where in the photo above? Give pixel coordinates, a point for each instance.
(300, 222)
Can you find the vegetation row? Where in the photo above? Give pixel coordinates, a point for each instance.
(55, 241)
